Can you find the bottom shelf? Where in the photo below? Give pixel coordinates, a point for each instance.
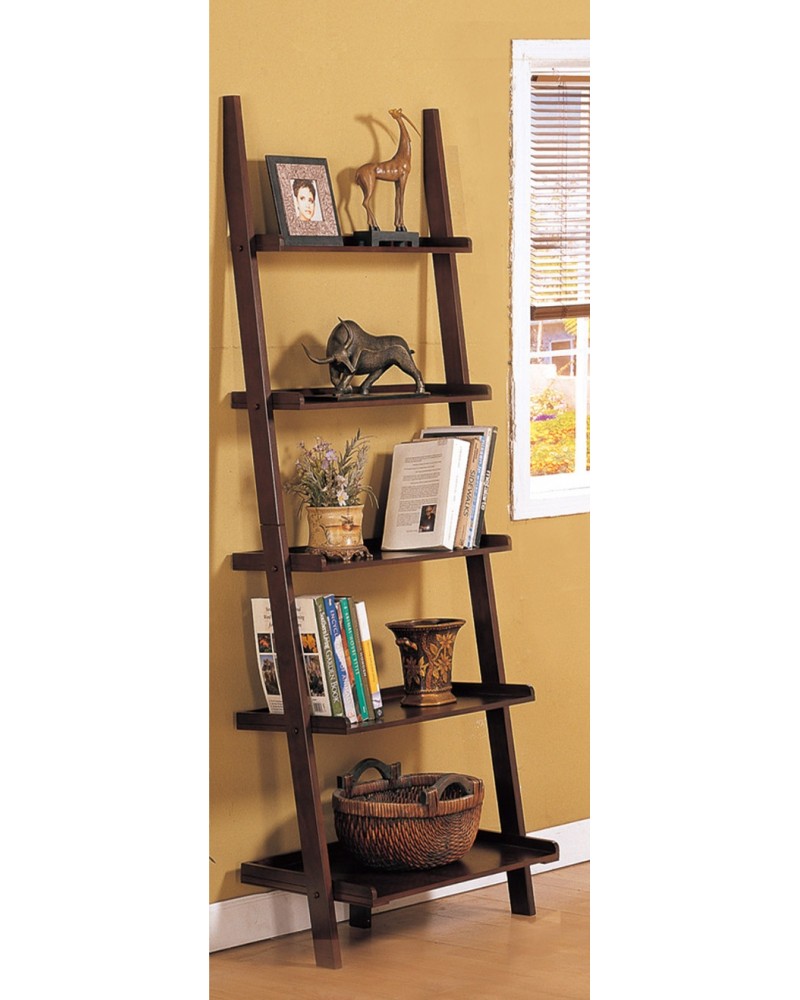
(491, 854)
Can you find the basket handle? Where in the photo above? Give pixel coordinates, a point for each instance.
(430, 796)
(390, 772)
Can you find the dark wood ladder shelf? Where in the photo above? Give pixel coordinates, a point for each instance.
(305, 562)
(492, 854)
(380, 395)
(269, 243)
(324, 872)
(469, 698)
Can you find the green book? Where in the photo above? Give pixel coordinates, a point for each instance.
(311, 645)
(340, 659)
(362, 663)
(328, 660)
(363, 696)
(344, 650)
(369, 656)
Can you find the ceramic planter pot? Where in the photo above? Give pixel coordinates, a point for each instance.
(426, 651)
(335, 532)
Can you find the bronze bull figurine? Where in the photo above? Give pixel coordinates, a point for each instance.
(352, 351)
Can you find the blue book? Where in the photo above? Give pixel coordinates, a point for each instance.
(337, 641)
(351, 635)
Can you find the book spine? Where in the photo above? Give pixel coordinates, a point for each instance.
(458, 474)
(311, 649)
(327, 657)
(364, 704)
(337, 641)
(466, 515)
(484, 487)
(475, 512)
(486, 436)
(366, 680)
(348, 663)
(369, 657)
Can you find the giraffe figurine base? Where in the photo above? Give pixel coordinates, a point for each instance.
(383, 237)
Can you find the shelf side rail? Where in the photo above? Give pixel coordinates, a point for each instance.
(313, 841)
(490, 656)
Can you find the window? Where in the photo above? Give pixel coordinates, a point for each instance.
(550, 431)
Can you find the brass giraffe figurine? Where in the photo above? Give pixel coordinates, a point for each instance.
(395, 170)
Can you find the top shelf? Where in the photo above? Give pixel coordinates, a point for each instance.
(270, 243)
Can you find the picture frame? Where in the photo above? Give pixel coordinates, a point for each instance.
(304, 204)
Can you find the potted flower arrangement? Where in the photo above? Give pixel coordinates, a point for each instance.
(330, 485)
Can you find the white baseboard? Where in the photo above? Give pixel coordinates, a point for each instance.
(235, 922)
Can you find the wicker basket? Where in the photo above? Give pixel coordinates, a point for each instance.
(415, 821)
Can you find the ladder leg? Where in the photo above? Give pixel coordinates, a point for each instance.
(319, 888)
(520, 892)
(327, 952)
(360, 916)
(501, 738)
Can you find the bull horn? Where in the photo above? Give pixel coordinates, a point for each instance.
(350, 334)
(317, 361)
(345, 356)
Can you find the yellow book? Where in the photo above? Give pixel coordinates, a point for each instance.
(369, 657)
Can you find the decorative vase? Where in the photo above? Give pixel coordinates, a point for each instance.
(426, 651)
(335, 532)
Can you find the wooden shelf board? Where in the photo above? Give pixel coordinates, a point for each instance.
(303, 562)
(270, 243)
(379, 395)
(492, 853)
(470, 697)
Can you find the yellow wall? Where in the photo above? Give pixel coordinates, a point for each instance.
(316, 79)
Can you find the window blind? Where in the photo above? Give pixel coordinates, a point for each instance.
(559, 196)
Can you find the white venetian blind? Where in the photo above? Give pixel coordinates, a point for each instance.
(559, 196)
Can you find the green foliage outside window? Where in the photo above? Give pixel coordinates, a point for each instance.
(553, 434)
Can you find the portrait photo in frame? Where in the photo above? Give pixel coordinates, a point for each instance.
(303, 195)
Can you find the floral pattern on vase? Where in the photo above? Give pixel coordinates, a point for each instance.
(336, 532)
(426, 651)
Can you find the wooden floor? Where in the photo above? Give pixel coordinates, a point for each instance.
(468, 946)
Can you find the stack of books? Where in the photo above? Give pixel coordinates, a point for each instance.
(438, 488)
(337, 653)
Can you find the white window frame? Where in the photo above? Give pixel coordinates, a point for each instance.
(551, 496)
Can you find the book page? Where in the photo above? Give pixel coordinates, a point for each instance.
(419, 508)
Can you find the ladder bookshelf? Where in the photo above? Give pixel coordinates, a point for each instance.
(324, 872)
